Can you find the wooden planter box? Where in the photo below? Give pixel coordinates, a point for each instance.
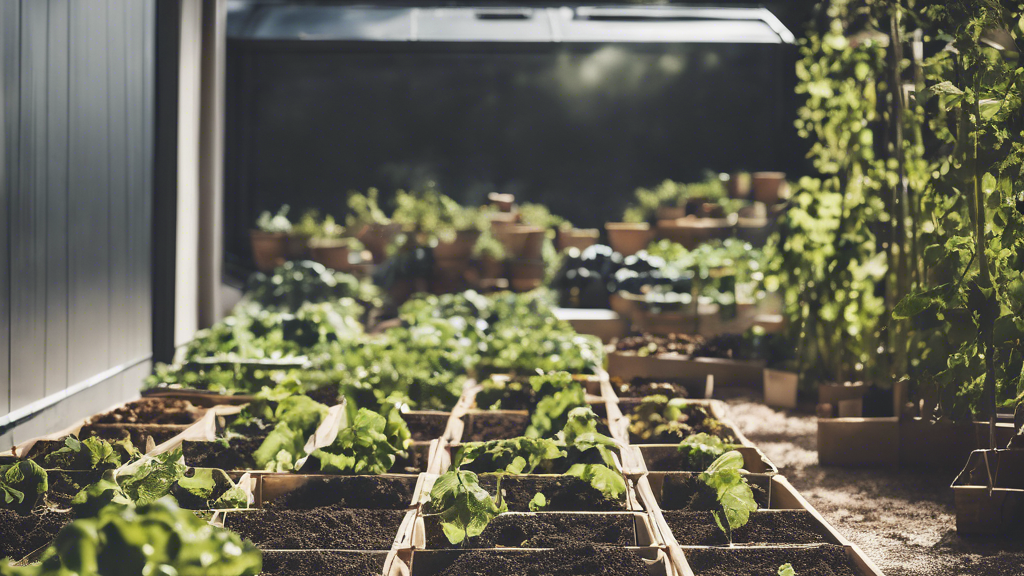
(686, 370)
(994, 503)
(605, 324)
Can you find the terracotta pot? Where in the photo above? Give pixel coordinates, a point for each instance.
(521, 242)
(298, 246)
(628, 238)
(769, 187)
(448, 277)
(376, 238)
(692, 232)
(335, 254)
(524, 275)
(490, 268)
(459, 249)
(671, 212)
(579, 238)
(503, 202)
(738, 185)
(269, 249)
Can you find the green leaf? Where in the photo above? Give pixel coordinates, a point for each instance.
(281, 449)
(462, 505)
(366, 446)
(538, 502)
(552, 412)
(735, 497)
(605, 480)
(21, 482)
(786, 570)
(702, 449)
(201, 484)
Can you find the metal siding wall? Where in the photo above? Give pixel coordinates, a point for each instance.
(76, 189)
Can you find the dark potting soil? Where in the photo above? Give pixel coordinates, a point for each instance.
(237, 455)
(774, 527)
(484, 426)
(22, 535)
(824, 560)
(327, 527)
(543, 531)
(688, 492)
(326, 395)
(63, 486)
(151, 411)
(578, 561)
(649, 344)
(416, 460)
(564, 493)
(322, 563)
(385, 493)
(139, 434)
(426, 426)
(640, 387)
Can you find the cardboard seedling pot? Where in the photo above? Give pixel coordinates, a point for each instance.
(269, 487)
(989, 493)
(780, 388)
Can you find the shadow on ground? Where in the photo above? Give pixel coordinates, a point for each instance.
(903, 520)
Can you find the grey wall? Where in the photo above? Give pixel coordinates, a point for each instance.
(76, 182)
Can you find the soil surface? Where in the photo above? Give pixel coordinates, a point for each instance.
(237, 455)
(564, 494)
(825, 560)
(415, 462)
(22, 535)
(651, 344)
(904, 520)
(426, 426)
(386, 493)
(543, 531)
(322, 563)
(151, 411)
(484, 426)
(640, 387)
(63, 486)
(329, 528)
(139, 434)
(688, 492)
(775, 527)
(582, 561)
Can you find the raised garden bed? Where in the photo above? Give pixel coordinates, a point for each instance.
(151, 411)
(317, 528)
(640, 387)
(426, 425)
(563, 493)
(667, 458)
(576, 561)
(237, 455)
(822, 560)
(544, 530)
(763, 527)
(299, 491)
(323, 563)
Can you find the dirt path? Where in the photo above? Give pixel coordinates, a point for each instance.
(903, 520)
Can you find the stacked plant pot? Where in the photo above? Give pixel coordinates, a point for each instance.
(452, 262)
(524, 252)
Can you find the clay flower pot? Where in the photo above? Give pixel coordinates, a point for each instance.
(521, 242)
(269, 249)
(503, 202)
(376, 238)
(525, 275)
(671, 212)
(334, 254)
(580, 238)
(768, 187)
(459, 249)
(692, 232)
(628, 238)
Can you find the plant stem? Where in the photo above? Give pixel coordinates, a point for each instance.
(986, 324)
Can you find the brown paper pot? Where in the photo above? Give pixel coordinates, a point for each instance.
(692, 232)
(376, 238)
(579, 238)
(269, 249)
(459, 249)
(768, 187)
(628, 238)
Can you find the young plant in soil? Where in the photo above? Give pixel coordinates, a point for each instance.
(89, 454)
(158, 538)
(522, 393)
(734, 496)
(703, 449)
(567, 561)
(641, 387)
(825, 559)
(786, 570)
(461, 506)
(370, 445)
(659, 420)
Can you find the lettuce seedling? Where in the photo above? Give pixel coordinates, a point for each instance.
(735, 498)
(370, 445)
(22, 483)
(552, 412)
(703, 449)
(786, 570)
(158, 538)
(462, 505)
(91, 454)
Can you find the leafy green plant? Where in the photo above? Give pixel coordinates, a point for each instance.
(786, 570)
(308, 224)
(702, 449)
(22, 483)
(364, 209)
(157, 538)
(647, 201)
(296, 417)
(92, 453)
(462, 505)
(658, 417)
(369, 445)
(735, 498)
(552, 412)
(538, 502)
(274, 223)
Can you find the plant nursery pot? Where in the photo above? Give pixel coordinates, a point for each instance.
(503, 202)
(628, 238)
(269, 249)
(521, 241)
(376, 238)
(780, 388)
(525, 275)
(768, 187)
(334, 255)
(859, 441)
(579, 238)
(692, 232)
(989, 493)
(459, 249)
(298, 246)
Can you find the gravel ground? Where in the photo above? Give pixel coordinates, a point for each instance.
(903, 520)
